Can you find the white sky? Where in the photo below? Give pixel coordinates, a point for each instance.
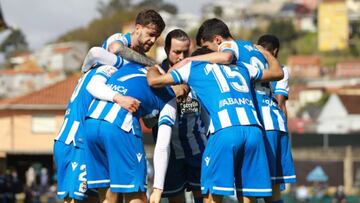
(44, 20)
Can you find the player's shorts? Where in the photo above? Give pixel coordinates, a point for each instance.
(71, 172)
(115, 158)
(236, 154)
(182, 174)
(278, 150)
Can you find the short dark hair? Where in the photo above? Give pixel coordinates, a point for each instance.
(201, 51)
(269, 42)
(150, 16)
(210, 28)
(175, 34)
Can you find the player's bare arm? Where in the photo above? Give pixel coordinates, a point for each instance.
(129, 54)
(155, 79)
(275, 72)
(215, 57)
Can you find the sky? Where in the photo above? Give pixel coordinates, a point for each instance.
(42, 21)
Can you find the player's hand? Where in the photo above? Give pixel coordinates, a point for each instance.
(181, 91)
(129, 103)
(155, 196)
(161, 71)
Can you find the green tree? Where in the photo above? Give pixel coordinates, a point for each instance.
(108, 9)
(218, 11)
(283, 29)
(14, 42)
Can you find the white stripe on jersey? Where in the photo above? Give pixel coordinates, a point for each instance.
(127, 124)
(111, 116)
(126, 77)
(224, 118)
(256, 117)
(267, 117)
(62, 129)
(241, 113)
(73, 130)
(99, 108)
(280, 120)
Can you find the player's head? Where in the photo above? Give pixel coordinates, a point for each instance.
(201, 51)
(148, 27)
(212, 33)
(270, 43)
(177, 45)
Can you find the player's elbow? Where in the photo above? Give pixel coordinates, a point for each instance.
(279, 74)
(94, 52)
(227, 58)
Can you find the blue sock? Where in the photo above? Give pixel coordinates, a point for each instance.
(278, 201)
(198, 199)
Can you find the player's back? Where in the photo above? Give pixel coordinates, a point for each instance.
(72, 128)
(223, 91)
(131, 81)
(272, 116)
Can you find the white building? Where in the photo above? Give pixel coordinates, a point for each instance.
(66, 56)
(341, 114)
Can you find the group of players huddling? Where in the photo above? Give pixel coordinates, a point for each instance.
(218, 118)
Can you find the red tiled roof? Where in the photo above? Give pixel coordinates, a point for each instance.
(303, 60)
(351, 103)
(57, 94)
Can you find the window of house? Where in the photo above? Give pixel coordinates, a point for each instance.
(43, 123)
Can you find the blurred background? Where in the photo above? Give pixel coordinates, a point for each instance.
(43, 44)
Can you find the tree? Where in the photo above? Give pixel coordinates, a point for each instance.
(16, 41)
(218, 11)
(108, 9)
(283, 29)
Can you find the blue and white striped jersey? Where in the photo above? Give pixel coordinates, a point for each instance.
(223, 91)
(119, 37)
(281, 87)
(72, 130)
(247, 55)
(131, 81)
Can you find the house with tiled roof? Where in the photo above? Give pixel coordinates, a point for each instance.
(340, 114)
(29, 123)
(348, 69)
(303, 66)
(26, 78)
(65, 56)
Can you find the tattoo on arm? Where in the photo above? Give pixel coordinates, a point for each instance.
(134, 56)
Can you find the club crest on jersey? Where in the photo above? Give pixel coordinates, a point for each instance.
(74, 165)
(109, 70)
(207, 160)
(139, 156)
(188, 106)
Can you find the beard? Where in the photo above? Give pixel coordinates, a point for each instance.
(143, 47)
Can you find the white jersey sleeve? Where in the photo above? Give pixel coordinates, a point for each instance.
(282, 86)
(100, 55)
(230, 46)
(182, 74)
(97, 86)
(162, 146)
(117, 37)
